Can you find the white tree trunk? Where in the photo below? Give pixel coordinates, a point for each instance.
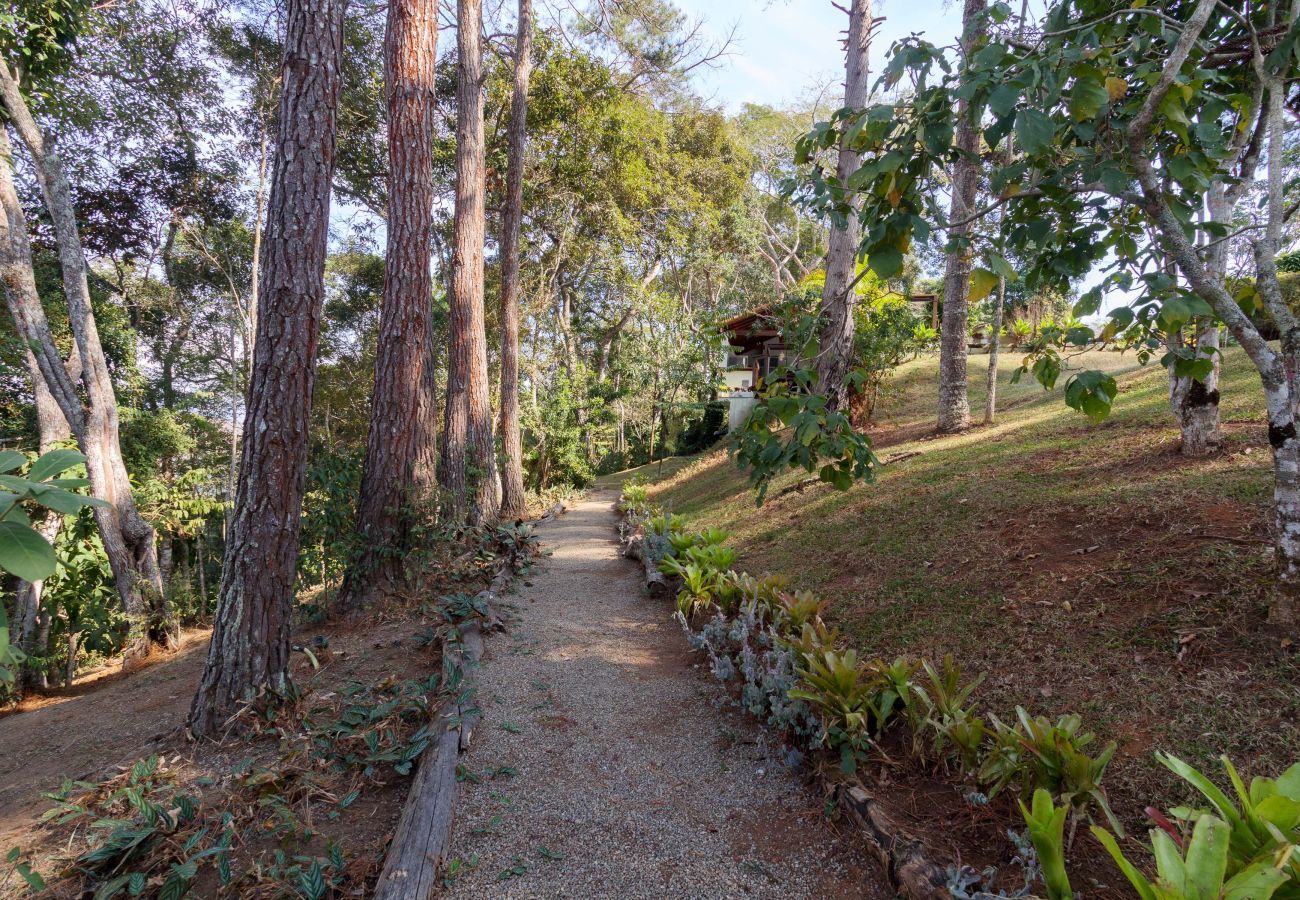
(129, 540)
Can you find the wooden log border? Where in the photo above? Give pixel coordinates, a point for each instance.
(422, 839)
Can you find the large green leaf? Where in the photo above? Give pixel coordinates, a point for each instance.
(54, 463)
(24, 552)
(1034, 131)
(10, 460)
(1088, 97)
(982, 283)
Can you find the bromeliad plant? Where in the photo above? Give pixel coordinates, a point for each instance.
(1046, 824)
(1199, 868)
(841, 687)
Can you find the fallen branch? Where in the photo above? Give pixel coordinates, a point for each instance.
(656, 583)
(902, 858)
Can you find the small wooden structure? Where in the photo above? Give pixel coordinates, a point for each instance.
(756, 345)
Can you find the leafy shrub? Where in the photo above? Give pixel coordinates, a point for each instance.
(635, 498)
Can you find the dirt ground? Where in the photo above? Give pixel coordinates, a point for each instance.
(108, 719)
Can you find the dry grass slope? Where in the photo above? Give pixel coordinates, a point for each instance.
(1084, 568)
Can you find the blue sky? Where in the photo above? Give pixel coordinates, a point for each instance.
(787, 49)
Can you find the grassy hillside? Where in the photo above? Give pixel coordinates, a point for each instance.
(1085, 568)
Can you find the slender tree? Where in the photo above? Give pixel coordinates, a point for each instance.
(129, 541)
(52, 426)
(954, 405)
(250, 639)
(512, 462)
(469, 466)
(410, 57)
(835, 352)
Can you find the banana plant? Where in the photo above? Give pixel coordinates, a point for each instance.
(1200, 870)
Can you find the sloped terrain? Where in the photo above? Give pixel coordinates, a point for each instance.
(1085, 568)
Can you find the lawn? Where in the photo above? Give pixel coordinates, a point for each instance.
(1084, 568)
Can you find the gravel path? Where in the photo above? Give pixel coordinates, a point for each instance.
(625, 773)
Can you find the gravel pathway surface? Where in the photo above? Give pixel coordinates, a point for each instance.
(607, 764)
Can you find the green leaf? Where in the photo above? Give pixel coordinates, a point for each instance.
(1088, 97)
(24, 552)
(982, 283)
(886, 262)
(1144, 888)
(1034, 131)
(1000, 265)
(1207, 856)
(1258, 881)
(11, 460)
(54, 463)
(1003, 99)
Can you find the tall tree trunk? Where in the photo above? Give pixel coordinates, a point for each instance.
(995, 341)
(250, 638)
(469, 460)
(512, 455)
(410, 56)
(954, 405)
(128, 539)
(835, 352)
(424, 468)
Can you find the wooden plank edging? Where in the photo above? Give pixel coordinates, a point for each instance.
(422, 838)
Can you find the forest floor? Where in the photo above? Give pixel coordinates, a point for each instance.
(278, 775)
(610, 762)
(1085, 568)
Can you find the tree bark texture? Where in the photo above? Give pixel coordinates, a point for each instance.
(954, 404)
(835, 351)
(469, 460)
(250, 639)
(512, 452)
(424, 468)
(410, 56)
(129, 541)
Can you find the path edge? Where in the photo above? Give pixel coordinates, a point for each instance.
(422, 838)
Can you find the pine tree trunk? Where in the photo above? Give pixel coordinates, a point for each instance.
(954, 404)
(129, 541)
(835, 352)
(424, 468)
(512, 452)
(410, 56)
(469, 461)
(995, 340)
(249, 650)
